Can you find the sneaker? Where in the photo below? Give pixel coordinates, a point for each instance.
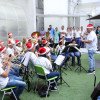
(90, 72)
(53, 89)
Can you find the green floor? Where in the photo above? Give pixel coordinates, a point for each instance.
(81, 85)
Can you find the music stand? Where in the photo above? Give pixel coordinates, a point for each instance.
(76, 49)
(26, 76)
(60, 61)
(64, 52)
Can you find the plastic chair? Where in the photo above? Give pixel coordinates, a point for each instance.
(5, 91)
(40, 72)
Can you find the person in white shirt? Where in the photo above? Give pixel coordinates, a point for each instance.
(71, 32)
(82, 37)
(77, 36)
(47, 66)
(29, 56)
(11, 81)
(68, 35)
(91, 45)
(74, 29)
(14, 70)
(10, 49)
(62, 32)
(1, 44)
(18, 46)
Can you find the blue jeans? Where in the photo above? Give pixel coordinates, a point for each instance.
(98, 98)
(91, 59)
(16, 81)
(53, 74)
(68, 39)
(78, 41)
(14, 71)
(73, 54)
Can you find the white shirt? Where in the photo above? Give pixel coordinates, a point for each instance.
(3, 81)
(82, 33)
(93, 45)
(10, 51)
(45, 63)
(60, 49)
(68, 35)
(29, 56)
(77, 34)
(48, 49)
(62, 34)
(19, 49)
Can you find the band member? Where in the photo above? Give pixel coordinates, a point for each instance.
(11, 50)
(11, 81)
(91, 45)
(10, 38)
(47, 66)
(29, 56)
(73, 54)
(14, 70)
(29, 40)
(1, 44)
(18, 46)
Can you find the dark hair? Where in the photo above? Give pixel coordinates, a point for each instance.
(37, 47)
(43, 55)
(73, 40)
(60, 43)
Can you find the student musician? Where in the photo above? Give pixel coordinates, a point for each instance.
(73, 54)
(11, 81)
(10, 38)
(47, 66)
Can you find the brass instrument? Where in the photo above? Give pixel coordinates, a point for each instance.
(23, 43)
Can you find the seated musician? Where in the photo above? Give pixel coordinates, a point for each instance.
(29, 40)
(60, 47)
(49, 49)
(74, 53)
(14, 70)
(47, 66)
(18, 46)
(11, 49)
(40, 41)
(11, 81)
(29, 56)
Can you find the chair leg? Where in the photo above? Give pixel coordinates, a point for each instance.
(3, 95)
(36, 85)
(56, 85)
(14, 94)
(48, 88)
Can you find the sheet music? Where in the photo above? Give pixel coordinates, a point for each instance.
(59, 59)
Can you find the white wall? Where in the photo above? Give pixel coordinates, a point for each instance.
(55, 7)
